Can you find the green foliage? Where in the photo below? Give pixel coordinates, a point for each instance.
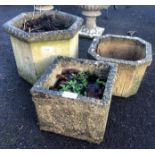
(65, 87)
(83, 76)
(72, 86)
(98, 81)
(78, 83)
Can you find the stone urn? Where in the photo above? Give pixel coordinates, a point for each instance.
(42, 8)
(33, 52)
(132, 54)
(71, 114)
(90, 29)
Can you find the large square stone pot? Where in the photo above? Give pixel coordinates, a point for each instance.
(34, 51)
(80, 117)
(132, 54)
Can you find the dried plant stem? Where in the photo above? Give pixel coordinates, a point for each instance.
(33, 12)
(37, 28)
(29, 30)
(24, 24)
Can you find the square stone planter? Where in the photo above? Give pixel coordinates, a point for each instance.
(132, 54)
(68, 114)
(34, 51)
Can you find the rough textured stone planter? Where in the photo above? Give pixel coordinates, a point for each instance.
(132, 54)
(80, 117)
(34, 51)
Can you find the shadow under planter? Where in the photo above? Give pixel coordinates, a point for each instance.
(70, 114)
(132, 54)
(33, 51)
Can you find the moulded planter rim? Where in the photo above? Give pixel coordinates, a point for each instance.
(96, 41)
(12, 29)
(38, 86)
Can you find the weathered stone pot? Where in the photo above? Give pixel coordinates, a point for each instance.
(132, 54)
(34, 51)
(68, 114)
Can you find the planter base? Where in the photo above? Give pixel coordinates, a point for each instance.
(95, 32)
(72, 118)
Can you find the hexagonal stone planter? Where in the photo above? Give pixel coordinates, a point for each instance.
(34, 51)
(132, 54)
(67, 113)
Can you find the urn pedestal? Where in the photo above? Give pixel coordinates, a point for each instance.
(91, 12)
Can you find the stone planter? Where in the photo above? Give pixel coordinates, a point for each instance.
(71, 115)
(132, 54)
(34, 51)
(90, 29)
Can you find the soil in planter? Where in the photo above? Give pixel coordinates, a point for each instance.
(82, 83)
(45, 23)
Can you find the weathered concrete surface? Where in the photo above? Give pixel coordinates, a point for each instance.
(81, 117)
(131, 120)
(72, 118)
(132, 54)
(34, 52)
(34, 57)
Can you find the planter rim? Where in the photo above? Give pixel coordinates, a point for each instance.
(93, 7)
(148, 50)
(38, 86)
(10, 28)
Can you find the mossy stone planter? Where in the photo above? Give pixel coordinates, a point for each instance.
(71, 115)
(34, 51)
(132, 54)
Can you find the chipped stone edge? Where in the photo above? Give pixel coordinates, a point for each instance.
(69, 33)
(106, 100)
(146, 60)
(96, 32)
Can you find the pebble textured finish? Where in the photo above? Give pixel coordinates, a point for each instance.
(130, 72)
(82, 117)
(92, 7)
(12, 27)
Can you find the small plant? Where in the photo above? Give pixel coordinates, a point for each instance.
(98, 81)
(65, 87)
(83, 76)
(82, 83)
(72, 86)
